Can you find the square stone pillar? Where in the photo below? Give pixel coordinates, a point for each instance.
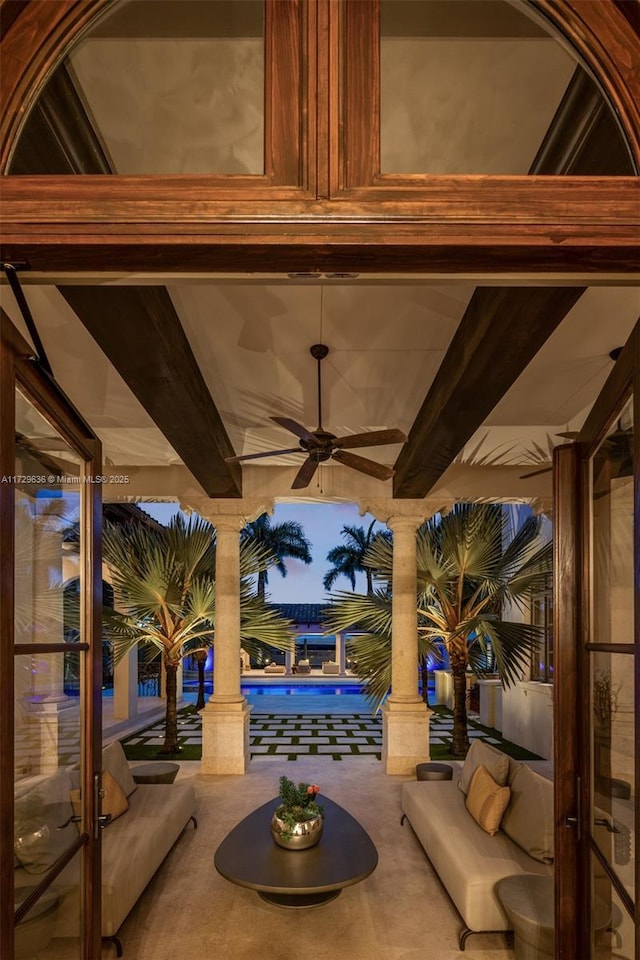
(225, 738)
(125, 686)
(405, 736)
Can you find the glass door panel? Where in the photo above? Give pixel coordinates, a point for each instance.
(612, 714)
(51, 830)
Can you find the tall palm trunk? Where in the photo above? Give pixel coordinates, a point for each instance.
(424, 676)
(170, 745)
(262, 584)
(460, 738)
(369, 576)
(201, 659)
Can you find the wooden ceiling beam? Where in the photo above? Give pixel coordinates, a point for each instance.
(136, 327)
(140, 332)
(502, 329)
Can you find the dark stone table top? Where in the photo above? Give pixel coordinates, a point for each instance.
(249, 857)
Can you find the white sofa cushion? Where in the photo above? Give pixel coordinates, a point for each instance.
(468, 861)
(134, 846)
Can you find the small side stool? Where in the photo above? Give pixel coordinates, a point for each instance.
(434, 771)
(527, 900)
(155, 772)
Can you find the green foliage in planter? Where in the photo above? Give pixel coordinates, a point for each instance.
(298, 803)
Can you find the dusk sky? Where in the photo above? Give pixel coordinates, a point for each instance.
(322, 523)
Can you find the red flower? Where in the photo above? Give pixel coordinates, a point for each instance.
(313, 789)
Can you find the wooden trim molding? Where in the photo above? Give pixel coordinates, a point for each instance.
(565, 690)
(555, 224)
(608, 43)
(33, 44)
(7, 664)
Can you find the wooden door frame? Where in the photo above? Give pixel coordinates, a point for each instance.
(17, 369)
(571, 581)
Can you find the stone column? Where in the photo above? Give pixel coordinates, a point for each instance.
(340, 656)
(405, 716)
(225, 719)
(288, 662)
(125, 686)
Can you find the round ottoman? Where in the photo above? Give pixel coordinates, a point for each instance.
(434, 771)
(528, 902)
(152, 772)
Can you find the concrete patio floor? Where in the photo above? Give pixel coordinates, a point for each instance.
(400, 912)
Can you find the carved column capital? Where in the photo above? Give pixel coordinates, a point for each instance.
(218, 512)
(384, 509)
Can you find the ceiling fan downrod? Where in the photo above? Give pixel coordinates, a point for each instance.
(319, 351)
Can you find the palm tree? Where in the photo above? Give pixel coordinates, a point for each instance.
(281, 540)
(164, 584)
(348, 558)
(470, 566)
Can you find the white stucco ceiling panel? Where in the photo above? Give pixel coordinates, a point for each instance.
(94, 386)
(252, 344)
(572, 366)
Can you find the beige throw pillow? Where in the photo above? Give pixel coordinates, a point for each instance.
(114, 760)
(114, 800)
(494, 761)
(529, 819)
(486, 800)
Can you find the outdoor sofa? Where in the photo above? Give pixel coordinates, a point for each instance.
(134, 843)
(468, 860)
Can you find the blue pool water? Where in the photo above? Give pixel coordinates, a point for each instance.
(306, 690)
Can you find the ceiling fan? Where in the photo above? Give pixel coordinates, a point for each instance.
(320, 445)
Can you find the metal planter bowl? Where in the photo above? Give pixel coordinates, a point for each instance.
(299, 836)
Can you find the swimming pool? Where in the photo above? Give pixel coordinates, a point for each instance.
(301, 690)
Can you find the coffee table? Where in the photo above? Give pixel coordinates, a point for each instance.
(297, 878)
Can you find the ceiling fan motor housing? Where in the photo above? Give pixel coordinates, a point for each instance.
(318, 351)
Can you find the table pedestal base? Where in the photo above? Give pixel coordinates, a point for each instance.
(296, 900)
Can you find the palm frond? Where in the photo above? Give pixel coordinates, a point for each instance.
(513, 644)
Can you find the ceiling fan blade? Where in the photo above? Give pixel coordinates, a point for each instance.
(268, 453)
(536, 473)
(294, 427)
(375, 438)
(372, 469)
(305, 474)
(569, 434)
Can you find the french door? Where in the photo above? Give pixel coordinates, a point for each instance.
(598, 676)
(50, 665)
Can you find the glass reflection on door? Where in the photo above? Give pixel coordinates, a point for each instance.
(612, 695)
(48, 701)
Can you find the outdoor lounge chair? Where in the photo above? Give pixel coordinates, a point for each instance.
(330, 666)
(303, 666)
(275, 668)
